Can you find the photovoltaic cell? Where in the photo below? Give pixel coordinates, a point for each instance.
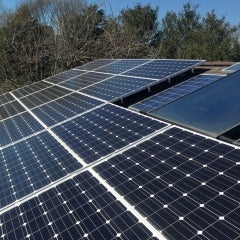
(174, 93)
(64, 76)
(116, 87)
(32, 164)
(80, 208)
(17, 127)
(5, 98)
(161, 69)
(34, 87)
(10, 109)
(104, 130)
(65, 107)
(96, 64)
(211, 110)
(85, 80)
(122, 66)
(185, 184)
(44, 96)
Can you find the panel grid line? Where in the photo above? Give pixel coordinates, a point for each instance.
(120, 173)
(53, 134)
(128, 206)
(87, 167)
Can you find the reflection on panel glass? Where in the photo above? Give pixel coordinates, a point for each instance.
(212, 109)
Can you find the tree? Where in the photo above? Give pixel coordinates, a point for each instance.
(140, 21)
(219, 39)
(187, 35)
(179, 33)
(25, 47)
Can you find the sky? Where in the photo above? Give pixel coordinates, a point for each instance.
(226, 8)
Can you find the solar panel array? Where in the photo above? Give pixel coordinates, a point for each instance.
(211, 110)
(174, 93)
(75, 166)
(111, 80)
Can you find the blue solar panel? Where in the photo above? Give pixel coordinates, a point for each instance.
(85, 80)
(44, 96)
(122, 65)
(211, 110)
(235, 67)
(96, 64)
(182, 182)
(65, 107)
(162, 69)
(117, 87)
(34, 87)
(17, 127)
(64, 76)
(106, 172)
(10, 109)
(105, 130)
(32, 164)
(174, 93)
(80, 208)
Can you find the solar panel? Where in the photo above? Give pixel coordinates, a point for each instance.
(75, 167)
(76, 209)
(122, 65)
(117, 87)
(183, 183)
(34, 87)
(161, 69)
(64, 76)
(10, 109)
(17, 127)
(235, 67)
(96, 64)
(32, 164)
(175, 92)
(5, 98)
(84, 80)
(104, 130)
(64, 108)
(211, 110)
(44, 96)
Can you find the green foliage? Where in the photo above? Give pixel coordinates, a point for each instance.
(140, 21)
(187, 35)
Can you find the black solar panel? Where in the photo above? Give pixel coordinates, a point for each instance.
(65, 107)
(104, 130)
(80, 208)
(174, 93)
(32, 164)
(117, 87)
(183, 183)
